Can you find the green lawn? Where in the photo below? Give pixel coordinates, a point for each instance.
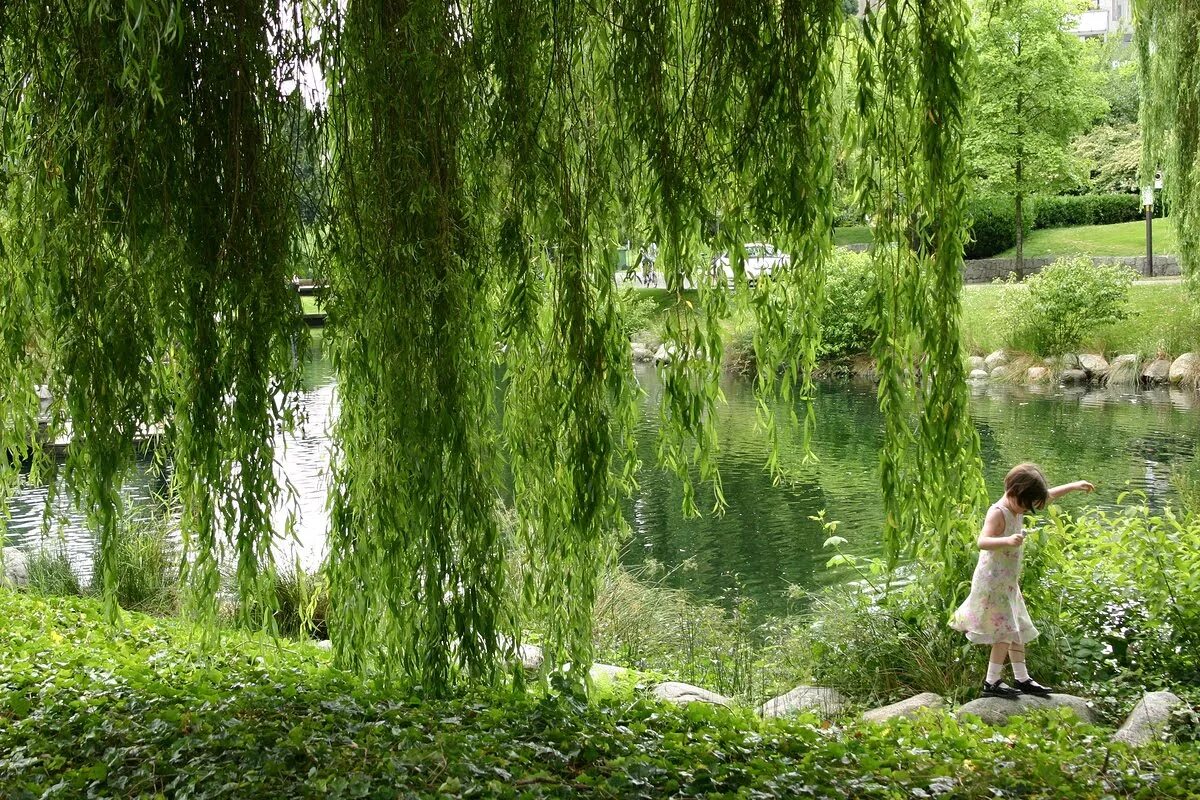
(310, 306)
(1160, 320)
(1123, 239)
(853, 234)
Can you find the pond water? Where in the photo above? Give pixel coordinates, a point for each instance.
(766, 541)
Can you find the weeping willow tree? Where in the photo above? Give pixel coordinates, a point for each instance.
(483, 161)
(1168, 42)
(147, 238)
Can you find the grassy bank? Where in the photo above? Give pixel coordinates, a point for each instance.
(139, 711)
(1160, 320)
(1122, 239)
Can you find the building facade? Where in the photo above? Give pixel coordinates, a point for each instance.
(1105, 18)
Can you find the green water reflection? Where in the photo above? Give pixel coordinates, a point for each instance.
(766, 541)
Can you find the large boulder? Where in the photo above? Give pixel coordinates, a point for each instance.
(978, 375)
(530, 656)
(997, 710)
(1148, 719)
(995, 359)
(1093, 363)
(1073, 376)
(607, 673)
(1185, 368)
(905, 708)
(1003, 372)
(641, 353)
(820, 699)
(683, 693)
(1157, 371)
(14, 567)
(976, 362)
(662, 355)
(1037, 374)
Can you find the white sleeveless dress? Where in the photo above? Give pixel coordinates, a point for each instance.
(995, 610)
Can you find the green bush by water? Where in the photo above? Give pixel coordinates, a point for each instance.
(138, 711)
(1057, 309)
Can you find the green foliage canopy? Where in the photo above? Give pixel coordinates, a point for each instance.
(1034, 93)
(482, 161)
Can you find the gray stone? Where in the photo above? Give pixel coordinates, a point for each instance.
(682, 693)
(1157, 371)
(323, 644)
(1073, 376)
(1003, 372)
(607, 673)
(662, 355)
(1068, 361)
(43, 393)
(978, 375)
(15, 564)
(905, 708)
(1037, 374)
(997, 710)
(531, 657)
(1093, 363)
(1148, 719)
(1185, 368)
(641, 353)
(820, 699)
(976, 362)
(996, 359)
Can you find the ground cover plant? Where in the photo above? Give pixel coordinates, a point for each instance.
(149, 714)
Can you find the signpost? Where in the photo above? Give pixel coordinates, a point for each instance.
(1148, 203)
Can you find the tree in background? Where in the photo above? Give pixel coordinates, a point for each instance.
(1034, 93)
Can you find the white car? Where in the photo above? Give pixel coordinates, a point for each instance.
(762, 258)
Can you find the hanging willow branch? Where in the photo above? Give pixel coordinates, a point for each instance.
(148, 204)
(1168, 42)
(912, 88)
(483, 161)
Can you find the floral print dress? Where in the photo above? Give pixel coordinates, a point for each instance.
(995, 610)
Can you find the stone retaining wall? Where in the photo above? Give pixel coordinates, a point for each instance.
(986, 270)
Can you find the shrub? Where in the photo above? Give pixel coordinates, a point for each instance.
(992, 228)
(1125, 588)
(846, 321)
(1087, 209)
(1065, 303)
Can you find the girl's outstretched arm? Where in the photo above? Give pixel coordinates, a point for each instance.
(1066, 488)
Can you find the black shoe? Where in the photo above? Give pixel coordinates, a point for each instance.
(999, 689)
(1030, 686)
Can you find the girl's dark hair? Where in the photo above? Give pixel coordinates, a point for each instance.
(1028, 485)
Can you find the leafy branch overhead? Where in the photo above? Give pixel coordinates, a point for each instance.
(461, 178)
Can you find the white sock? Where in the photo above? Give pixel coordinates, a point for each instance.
(1019, 671)
(995, 671)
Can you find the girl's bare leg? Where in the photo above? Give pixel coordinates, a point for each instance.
(1016, 654)
(996, 661)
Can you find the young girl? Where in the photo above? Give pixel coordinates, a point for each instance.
(994, 613)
